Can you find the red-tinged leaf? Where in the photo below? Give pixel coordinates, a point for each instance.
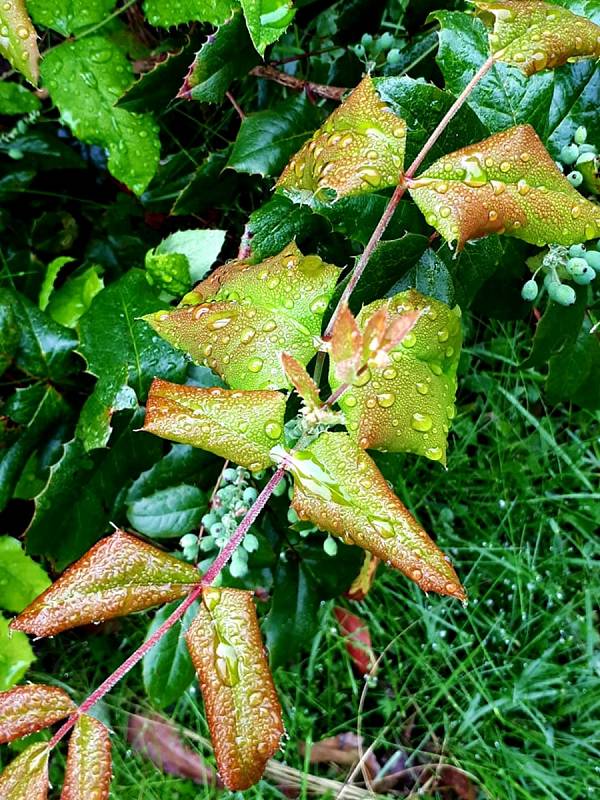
(408, 404)
(361, 585)
(30, 708)
(383, 334)
(505, 184)
(301, 381)
(89, 764)
(339, 488)
(346, 346)
(345, 749)
(239, 426)
(358, 640)
(18, 41)
(26, 778)
(534, 35)
(119, 575)
(358, 149)
(249, 314)
(242, 708)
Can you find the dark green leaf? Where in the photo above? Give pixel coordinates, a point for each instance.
(210, 187)
(573, 372)
(9, 332)
(16, 99)
(168, 512)
(278, 222)
(430, 276)
(182, 463)
(165, 15)
(558, 329)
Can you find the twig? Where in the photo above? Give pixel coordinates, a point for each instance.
(299, 85)
(235, 104)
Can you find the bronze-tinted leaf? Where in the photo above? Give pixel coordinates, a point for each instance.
(358, 149)
(339, 488)
(18, 39)
(534, 35)
(239, 426)
(89, 765)
(30, 708)
(26, 778)
(408, 404)
(119, 575)
(346, 346)
(301, 381)
(361, 585)
(505, 184)
(249, 314)
(241, 704)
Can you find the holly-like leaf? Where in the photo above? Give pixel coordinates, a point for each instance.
(301, 381)
(535, 35)
(165, 15)
(407, 404)
(267, 20)
(505, 184)
(338, 488)
(30, 708)
(26, 778)
(16, 655)
(69, 16)
(183, 258)
(119, 575)
(249, 314)
(242, 708)
(85, 78)
(169, 512)
(239, 426)
(18, 41)
(89, 769)
(21, 579)
(358, 149)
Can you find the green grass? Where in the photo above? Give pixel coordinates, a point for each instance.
(508, 688)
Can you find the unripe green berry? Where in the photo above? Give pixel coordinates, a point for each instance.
(394, 57)
(529, 291)
(250, 494)
(585, 158)
(250, 543)
(593, 259)
(549, 279)
(577, 250)
(366, 39)
(575, 178)
(330, 546)
(562, 294)
(230, 474)
(217, 530)
(210, 519)
(280, 488)
(189, 540)
(569, 154)
(585, 277)
(576, 266)
(580, 135)
(238, 567)
(359, 50)
(206, 543)
(293, 518)
(588, 148)
(386, 40)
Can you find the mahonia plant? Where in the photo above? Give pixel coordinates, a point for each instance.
(392, 371)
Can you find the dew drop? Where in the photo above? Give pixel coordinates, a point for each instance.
(247, 335)
(255, 365)
(443, 335)
(273, 430)
(409, 340)
(434, 453)
(389, 373)
(386, 399)
(422, 388)
(421, 422)
(416, 574)
(350, 401)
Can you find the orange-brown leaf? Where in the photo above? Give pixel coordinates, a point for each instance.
(30, 708)
(357, 639)
(346, 345)
(301, 381)
(26, 778)
(361, 585)
(119, 575)
(89, 765)
(242, 708)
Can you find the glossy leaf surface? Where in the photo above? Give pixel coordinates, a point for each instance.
(16, 655)
(301, 381)
(170, 512)
(165, 15)
(505, 184)
(241, 704)
(30, 708)
(21, 579)
(69, 16)
(267, 20)
(239, 426)
(26, 778)
(408, 404)
(89, 769)
(119, 575)
(18, 42)
(249, 313)
(339, 488)
(535, 35)
(358, 149)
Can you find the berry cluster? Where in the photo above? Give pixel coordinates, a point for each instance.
(576, 263)
(579, 161)
(378, 49)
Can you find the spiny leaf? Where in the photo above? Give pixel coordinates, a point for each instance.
(119, 575)
(505, 184)
(408, 404)
(183, 258)
(267, 20)
(339, 488)
(164, 15)
(242, 708)
(301, 381)
(534, 35)
(249, 314)
(89, 769)
(26, 778)
(358, 149)
(18, 40)
(30, 708)
(239, 426)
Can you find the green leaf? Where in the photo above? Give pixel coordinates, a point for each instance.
(165, 15)
(119, 575)
(242, 709)
(18, 42)
(534, 35)
(558, 329)
(26, 778)
(31, 708)
(21, 579)
(126, 361)
(573, 371)
(16, 99)
(209, 187)
(506, 184)
(70, 302)
(89, 770)
(69, 16)
(279, 221)
(52, 271)
(226, 55)
(338, 488)
(85, 78)
(267, 20)
(10, 335)
(16, 655)
(358, 149)
(248, 314)
(167, 669)
(169, 512)
(183, 258)
(429, 276)
(267, 139)
(240, 426)
(182, 463)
